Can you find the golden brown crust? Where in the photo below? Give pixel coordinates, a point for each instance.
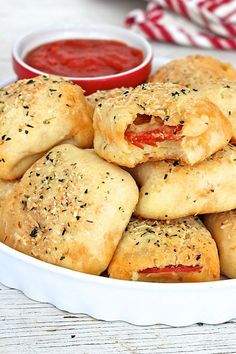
(6, 187)
(37, 114)
(193, 71)
(222, 94)
(101, 95)
(171, 190)
(69, 209)
(214, 80)
(158, 244)
(204, 128)
(223, 229)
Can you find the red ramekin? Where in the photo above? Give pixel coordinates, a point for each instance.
(132, 77)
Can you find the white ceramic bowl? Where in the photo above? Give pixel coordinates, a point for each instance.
(109, 299)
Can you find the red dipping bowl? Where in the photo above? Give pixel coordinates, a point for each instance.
(132, 77)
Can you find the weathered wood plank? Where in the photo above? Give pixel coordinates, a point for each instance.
(30, 327)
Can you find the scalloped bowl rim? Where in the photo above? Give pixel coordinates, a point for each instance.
(208, 302)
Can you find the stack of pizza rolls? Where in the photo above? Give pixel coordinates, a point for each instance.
(118, 180)
(67, 206)
(166, 134)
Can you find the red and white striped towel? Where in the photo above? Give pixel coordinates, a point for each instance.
(197, 23)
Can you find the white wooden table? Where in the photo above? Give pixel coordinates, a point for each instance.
(30, 327)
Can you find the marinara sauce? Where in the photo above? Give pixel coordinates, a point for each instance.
(84, 57)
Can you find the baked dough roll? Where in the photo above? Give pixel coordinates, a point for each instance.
(101, 95)
(70, 209)
(223, 95)
(6, 187)
(157, 122)
(222, 226)
(178, 251)
(170, 190)
(37, 114)
(193, 71)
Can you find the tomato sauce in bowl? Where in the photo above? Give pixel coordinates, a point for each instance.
(84, 57)
(96, 57)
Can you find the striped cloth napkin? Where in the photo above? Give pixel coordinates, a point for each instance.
(196, 23)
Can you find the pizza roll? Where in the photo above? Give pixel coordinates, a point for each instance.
(172, 190)
(193, 71)
(222, 226)
(157, 122)
(101, 95)
(159, 251)
(69, 209)
(223, 95)
(6, 187)
(37, 114)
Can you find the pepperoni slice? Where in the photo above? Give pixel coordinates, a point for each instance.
(152, 137)
(171, 269)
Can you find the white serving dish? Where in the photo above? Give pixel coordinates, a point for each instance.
(109, 299)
